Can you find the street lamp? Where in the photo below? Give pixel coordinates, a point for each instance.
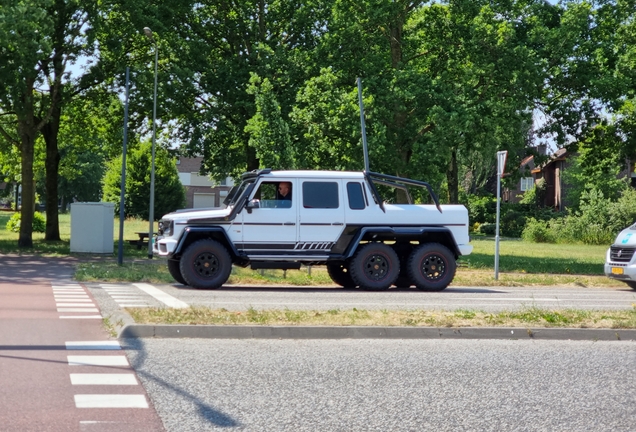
(151, 210)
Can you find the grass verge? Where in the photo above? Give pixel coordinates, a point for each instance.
(530, 316)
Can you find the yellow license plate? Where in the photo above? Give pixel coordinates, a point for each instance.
(617, 270)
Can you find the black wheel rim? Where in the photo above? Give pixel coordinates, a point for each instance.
(376, 267)
(206, 265)
(433, 267)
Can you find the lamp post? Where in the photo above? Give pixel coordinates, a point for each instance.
(151, 210)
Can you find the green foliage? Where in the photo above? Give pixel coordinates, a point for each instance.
(488, 228)
(537, 231)
(39, 223)
(169, 193)
(481, 209)
(269, 132)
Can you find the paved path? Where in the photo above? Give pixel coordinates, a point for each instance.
(59, 370)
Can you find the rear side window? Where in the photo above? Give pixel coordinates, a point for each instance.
(356, 199)
(320, 195)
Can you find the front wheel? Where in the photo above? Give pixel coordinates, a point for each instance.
(175, 271)
(375, 267)
(432, 267)
(205, 264)
(631, 284)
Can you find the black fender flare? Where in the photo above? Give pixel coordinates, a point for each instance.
(191, 234)
(411, 233)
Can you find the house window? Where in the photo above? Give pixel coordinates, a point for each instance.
(527, 183)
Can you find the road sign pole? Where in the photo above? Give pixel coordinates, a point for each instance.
(501, 166)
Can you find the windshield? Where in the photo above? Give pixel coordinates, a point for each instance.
(235, 193)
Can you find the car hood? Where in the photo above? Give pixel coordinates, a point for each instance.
(198, 214)
(627, 237)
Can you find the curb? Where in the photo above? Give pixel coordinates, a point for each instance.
(315, 332)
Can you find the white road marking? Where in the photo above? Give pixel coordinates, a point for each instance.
(97, 360)
(138, 305)
(103, 379)
(62, 305)
(77, 310)
(81, 316)
(161, 296)
(111, 401)
(71, 296)
(93, 345)
(79, 300)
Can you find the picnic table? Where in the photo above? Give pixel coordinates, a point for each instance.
(141, 242)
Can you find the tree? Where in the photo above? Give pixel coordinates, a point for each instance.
(269, 132)
(169, 193)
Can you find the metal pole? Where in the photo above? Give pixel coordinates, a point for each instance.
(497, 227)
(364, 130)
(120, 252)
(151, 210)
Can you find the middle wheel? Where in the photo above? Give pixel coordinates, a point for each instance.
(375, 266)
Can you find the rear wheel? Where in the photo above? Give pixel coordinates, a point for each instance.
(432, 267)
(375, 267)
(339, 274)
(205, 264)
(631, 284)
(175, 271)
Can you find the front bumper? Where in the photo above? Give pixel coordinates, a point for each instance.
(164, 246)
(620, 270)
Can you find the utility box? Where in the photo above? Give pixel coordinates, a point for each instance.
(92, 227)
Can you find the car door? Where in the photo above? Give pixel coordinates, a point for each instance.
(271, 228)
(321, 213)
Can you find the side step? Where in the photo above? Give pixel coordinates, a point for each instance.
(280, 265)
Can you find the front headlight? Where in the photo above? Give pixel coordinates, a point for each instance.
(166, 227)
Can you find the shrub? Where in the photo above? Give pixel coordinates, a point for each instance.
(39, 223)
(481, 208)
(538, 231)
(488, 228)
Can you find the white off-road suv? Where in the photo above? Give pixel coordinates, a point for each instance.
(337, 219)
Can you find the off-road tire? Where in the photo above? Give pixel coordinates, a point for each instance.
(432, 267)
(205, 264)
(375, 266)
(175, 271)
(631, 284)
(339, 274)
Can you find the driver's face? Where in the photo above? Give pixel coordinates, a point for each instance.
(284, 188)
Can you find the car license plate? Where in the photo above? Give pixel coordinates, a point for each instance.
(617, 270)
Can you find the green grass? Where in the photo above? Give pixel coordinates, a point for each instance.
(530, 316)
(522, 257)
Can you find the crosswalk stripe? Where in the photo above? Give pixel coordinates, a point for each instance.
(77, 310)
(103, 379)
(161, 296)
(110, 401)
(97, 360)
(81, 317)
(93, 345)
(62, 305)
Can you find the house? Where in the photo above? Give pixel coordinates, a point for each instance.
(551, 171)
(201, 192)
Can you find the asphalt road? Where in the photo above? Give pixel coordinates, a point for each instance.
(382, 385)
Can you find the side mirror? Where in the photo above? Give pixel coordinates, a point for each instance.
(253, 204)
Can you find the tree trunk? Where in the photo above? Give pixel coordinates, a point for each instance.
(452, 178)
(27, 144)
(50, 131)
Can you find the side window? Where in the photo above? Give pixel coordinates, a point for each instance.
(274, 195)
(356, 198)
(320, 195)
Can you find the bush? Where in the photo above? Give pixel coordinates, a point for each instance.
(488, 228)
(481, 209)
(538, 231)
(39, 223)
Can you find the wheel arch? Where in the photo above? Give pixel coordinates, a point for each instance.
(193, 234)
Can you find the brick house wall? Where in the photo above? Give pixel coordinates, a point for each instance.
(200, 189)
